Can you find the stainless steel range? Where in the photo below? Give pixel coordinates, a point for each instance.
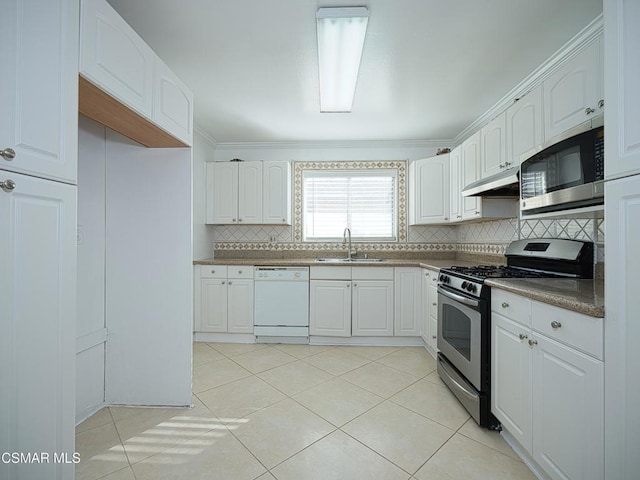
(464, 319)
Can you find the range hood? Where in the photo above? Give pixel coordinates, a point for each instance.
(503, 184)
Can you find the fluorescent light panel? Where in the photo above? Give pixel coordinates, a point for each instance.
(341, 32)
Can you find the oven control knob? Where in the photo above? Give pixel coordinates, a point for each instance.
(473, 288)
(464, 285)
(442, 278)
(470, 287)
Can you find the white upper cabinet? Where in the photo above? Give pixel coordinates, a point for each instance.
(622, 71)
(455, 184)
(429, 190)
(222, 193)
(573, 93)
(470, 172)
(172, 103)
(114, 58)
(494, 146)
(38, 88)
(524, 125)
(249, 192)
(276, 193)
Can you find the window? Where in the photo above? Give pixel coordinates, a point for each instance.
(363, 200)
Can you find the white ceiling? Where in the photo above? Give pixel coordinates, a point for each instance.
(429, 67)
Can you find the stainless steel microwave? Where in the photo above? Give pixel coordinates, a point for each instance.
(565, 173)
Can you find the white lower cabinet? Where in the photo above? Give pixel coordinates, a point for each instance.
(548, 390)
(330, 308)
(429, 310)
(408, 304)
(224, 299)
(372, 308)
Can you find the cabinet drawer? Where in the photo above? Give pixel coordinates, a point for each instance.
(240, 271)
(372, 273)
(330, 273)
(571, 328)
(213, 271)
(512, 306)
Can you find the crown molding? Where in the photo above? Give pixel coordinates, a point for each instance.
(197, 129)
(325, 144)
(569, 50)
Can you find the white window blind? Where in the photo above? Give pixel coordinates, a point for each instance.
(364, 201)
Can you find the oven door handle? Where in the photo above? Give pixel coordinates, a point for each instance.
(459, 298)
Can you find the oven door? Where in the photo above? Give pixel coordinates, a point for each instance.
(460, 332)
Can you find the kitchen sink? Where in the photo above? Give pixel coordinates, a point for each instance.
(349, 260)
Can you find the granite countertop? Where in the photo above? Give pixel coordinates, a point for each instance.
(434, 264)
(582, 296)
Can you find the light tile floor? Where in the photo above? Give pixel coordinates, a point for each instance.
(299, 412)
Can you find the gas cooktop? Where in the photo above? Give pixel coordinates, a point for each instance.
(482, 272)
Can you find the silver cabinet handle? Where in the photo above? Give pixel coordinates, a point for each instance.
(458, 216)
(8, 185)
(555, 324)
(8, 154)
(477, 212)
(505, 305)
(588, 111)
(601, 104)
(502, 165)
(533, 342)
(523, 336)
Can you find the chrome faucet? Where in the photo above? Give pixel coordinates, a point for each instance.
(346, 237)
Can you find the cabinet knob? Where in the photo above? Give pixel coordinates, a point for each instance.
(477, 212)
(555, 324)
(446, 218)
(355, 284)
(223, 282)
(8, 154)
(588, 111)
(284, 220)
(533, 343)
(506, 164)
(239, 220)
(601, 104)
(8, 185)
(229, 283)
(348, 285)
(213, 271)
(426, 275)
(501, 165)
(233, 219)
(505, 305)
(458, 216)
(434, 337)
(522, 336)
(434, 304)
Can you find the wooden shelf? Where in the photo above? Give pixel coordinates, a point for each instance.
(106, 110)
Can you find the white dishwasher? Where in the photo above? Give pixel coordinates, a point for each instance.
(281, 304)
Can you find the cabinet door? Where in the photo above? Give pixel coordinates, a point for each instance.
(172, 103)
(524, 125)
(568, 411)
(430, 184)
(511, 378)
(115, 58)
(250, 193)
(330, 308)
(37, 323)
(240, 306)
(621, 73)
(276, 193)
(433, 333)
(494, 146)
(39, 88)
(455, 184)
(373, 308)
(471, 173)
(572, 93)
(424, 310)
(213, 305)
(408, 286)
(222, 193)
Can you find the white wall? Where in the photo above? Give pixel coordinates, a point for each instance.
(90, 327)
(203, 151)
(149, 278)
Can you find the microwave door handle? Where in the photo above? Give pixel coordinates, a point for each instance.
(459, 298)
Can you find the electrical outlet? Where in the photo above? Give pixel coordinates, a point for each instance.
(273, 238)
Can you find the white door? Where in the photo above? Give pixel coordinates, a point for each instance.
(455, 184)
(373, 308)
(524, 125)
(568, 411)
(39, 88)
(470, 173)
(511, 378)
(240, 306)
(430, 184)
(172, 103)
(572, 93)
(408, 307)
(213, 305)
(115, 58)
(222, 193)
(250, 193)
(433, 312)
(424, 310)
(330, 308)
(37, 323)
(276, 193)
(494, 146)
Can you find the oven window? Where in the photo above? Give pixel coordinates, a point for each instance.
(456, 330)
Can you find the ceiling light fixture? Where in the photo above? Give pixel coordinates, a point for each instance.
(341, 32)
